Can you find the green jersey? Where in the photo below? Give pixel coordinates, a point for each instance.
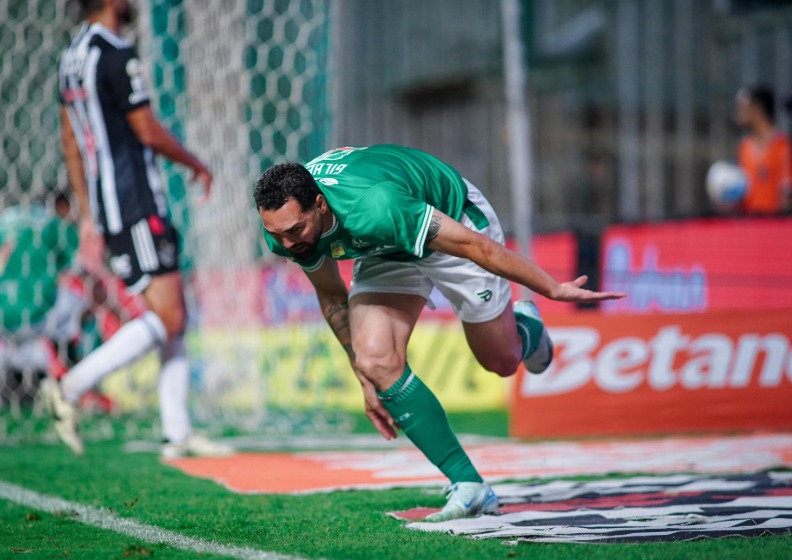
(382, 198)
(34, 248)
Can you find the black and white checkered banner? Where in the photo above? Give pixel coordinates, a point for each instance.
(637, 509)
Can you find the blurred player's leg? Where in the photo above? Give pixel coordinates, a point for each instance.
(64, 415)
(132, 341)
(174, 385)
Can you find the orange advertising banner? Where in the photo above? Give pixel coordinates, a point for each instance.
(660, 373)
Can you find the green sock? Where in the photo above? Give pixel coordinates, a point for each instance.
(422, 418)
(530, 330)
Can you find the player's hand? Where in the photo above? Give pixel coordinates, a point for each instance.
(90, 253)
(202, 175)
(572, 291)
(375, 412)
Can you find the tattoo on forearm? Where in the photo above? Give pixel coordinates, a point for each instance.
(336, 309)
(337, 317)
(434, 228)
(350, 352)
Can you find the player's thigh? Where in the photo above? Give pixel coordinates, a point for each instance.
(496, 343)
(381, 325)
(165, 291)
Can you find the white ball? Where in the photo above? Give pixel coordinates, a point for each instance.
(726, 183)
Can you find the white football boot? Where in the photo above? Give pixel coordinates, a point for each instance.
(195, 445)
(467, 499)
(539, 360)
(64, 415)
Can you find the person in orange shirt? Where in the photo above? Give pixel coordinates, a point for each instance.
(764, 154)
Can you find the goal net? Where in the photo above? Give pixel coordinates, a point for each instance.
(243, 84)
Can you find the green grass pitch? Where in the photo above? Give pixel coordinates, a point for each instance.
(339, 525)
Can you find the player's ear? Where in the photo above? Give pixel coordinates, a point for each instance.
(321, 203)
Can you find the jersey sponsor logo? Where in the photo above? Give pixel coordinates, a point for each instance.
(121, 265)
(327, 181)
(337, 250)
(360, 244)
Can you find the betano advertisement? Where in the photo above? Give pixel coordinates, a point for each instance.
(660, 373)
(701, 343)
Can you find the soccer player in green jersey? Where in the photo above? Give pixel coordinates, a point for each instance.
(413, 224)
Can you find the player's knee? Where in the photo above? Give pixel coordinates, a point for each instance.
(503, 366)
(173, 319)
(380, 367)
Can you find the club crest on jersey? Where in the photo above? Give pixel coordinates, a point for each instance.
(167, 253)
(121, 265)
(337, 250)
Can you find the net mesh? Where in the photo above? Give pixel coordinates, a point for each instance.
(242, 84)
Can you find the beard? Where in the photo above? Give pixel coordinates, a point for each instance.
(306, 251)
(127, 14)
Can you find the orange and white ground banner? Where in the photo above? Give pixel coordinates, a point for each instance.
(322, 471)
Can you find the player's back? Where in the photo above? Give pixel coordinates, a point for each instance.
(355, 170)
(100, 82)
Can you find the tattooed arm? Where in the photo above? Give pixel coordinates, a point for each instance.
(333, 301)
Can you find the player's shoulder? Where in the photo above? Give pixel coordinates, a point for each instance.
(103, 37)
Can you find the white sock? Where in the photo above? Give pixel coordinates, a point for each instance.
(174, 385)
(132, 341)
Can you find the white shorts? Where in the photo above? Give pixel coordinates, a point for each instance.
(475, 295)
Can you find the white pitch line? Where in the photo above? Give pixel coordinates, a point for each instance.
(148, 533)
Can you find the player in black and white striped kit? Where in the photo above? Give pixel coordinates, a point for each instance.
(110, 138)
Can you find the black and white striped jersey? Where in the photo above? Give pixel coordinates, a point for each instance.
(100, 81)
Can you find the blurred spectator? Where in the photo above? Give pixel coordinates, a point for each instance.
(35, 248)
(57, 301)
(764, 154)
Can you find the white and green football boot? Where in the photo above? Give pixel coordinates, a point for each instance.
(467, 499)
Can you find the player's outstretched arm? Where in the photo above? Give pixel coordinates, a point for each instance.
(333, 298)
(448, 236)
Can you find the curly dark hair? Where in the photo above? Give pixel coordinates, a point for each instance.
(281, 182)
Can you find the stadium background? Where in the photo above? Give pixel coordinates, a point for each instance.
(629, 102)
